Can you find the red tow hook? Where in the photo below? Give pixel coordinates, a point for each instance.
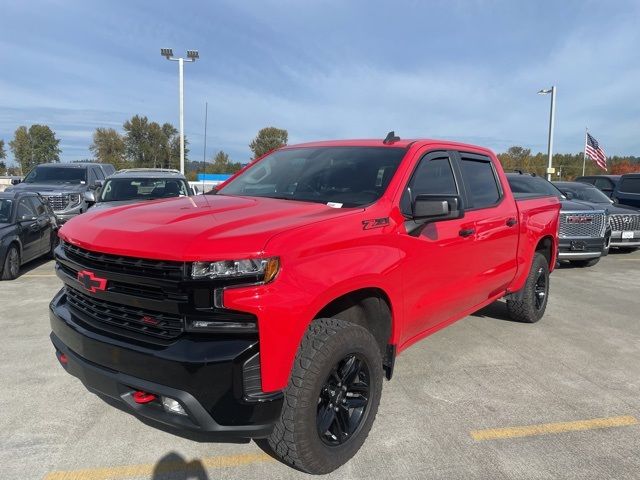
(143, 397)
(63, 359)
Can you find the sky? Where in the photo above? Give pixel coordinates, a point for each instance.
(326, 69)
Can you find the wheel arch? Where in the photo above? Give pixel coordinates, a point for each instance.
(371, 308)
(547, 247)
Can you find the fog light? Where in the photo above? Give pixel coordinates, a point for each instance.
(172, 406)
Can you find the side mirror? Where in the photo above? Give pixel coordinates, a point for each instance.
(615, 200)
(90, 197)
(428, 208)
(98, 184)
(15, 181)
(569, 195)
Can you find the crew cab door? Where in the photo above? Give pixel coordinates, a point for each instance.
(494, 214)
(440, 263)
(43, 221)
(29, 231)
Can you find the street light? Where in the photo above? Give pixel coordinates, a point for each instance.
(552, 115)
(192, 55)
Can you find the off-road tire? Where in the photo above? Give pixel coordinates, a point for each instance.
(11, 269)
(528, 306)
(296, 438)
(585, 263)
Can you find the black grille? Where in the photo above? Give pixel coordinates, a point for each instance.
(100, 312)
(625, 222)
(127, 265)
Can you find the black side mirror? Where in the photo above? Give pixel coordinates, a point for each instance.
(569, 195)
(15, 181)
(427, 208)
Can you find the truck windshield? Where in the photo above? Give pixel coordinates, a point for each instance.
(57, 175)
(121, 189)
(338, 176)
(5, 210)
(592, 195)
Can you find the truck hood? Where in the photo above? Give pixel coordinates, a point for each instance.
(578, 206)
(118, 203)
(48, 188)
(203, 227)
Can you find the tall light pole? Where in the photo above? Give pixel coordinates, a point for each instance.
(192, 55)
(552, 115)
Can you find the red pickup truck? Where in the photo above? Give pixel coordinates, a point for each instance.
(274, 307)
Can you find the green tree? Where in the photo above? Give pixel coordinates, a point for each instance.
(34, 146)
(148, 144)
(223, 164)
(108, 147)
(268, 139)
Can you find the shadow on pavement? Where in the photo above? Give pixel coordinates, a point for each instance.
(497, 310)
(34, 264)
(173, 466)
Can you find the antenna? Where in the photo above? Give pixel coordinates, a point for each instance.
(391, 138)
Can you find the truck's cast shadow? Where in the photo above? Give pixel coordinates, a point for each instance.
(173, 466)
(497, 310)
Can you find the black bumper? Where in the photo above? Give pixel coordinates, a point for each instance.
(580, 248)
(204, 375)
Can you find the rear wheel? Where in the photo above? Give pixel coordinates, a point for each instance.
(11, 266)
(585, 263)
(529, 304)
(332, 397)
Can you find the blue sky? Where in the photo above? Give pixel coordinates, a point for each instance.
(464, 70)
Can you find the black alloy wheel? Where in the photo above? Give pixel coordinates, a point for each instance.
(541, 289)
(343, 400)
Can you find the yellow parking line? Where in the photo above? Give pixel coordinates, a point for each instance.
(547, 428)
(147, 470)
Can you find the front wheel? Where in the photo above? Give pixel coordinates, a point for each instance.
(332, 397)
(529, 304)
(11, 266)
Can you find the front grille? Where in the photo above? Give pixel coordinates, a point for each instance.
(128, 265)
(592, 227)
(57, 202)
(99, 313)
(625, 222)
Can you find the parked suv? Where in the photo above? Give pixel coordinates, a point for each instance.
(627, 191)
(138, 185)
(64, 185)
(623, 219)
(584, 226)
(275, 307)
(605, 183)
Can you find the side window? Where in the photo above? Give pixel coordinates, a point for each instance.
(603, 184)
(91, 176)
(433, 176)
(25, 209)
(37, 206)
(481, 182)
(98, 172)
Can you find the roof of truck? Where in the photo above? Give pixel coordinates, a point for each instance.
(377, 142)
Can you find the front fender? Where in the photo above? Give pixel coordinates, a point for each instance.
(306, 283)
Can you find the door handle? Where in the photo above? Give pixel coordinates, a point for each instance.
(511, 222)
(467, 232)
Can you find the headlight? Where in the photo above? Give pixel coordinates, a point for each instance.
(263, 269)
(74, 199)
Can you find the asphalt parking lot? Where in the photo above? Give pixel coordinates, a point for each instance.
(486, 398)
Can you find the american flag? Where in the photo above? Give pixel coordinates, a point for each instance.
(595, 152)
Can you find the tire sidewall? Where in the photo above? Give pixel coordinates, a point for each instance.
(7, 274)
(352, 340)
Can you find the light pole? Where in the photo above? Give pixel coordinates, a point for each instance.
(552, 115)
(192, 55)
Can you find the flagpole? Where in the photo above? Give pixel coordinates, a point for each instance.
(584, 153)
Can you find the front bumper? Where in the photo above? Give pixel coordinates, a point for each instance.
(580, 248)
(618, 241)
(205, 375)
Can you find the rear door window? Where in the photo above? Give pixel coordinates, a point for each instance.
(630, 185)
(480, 180)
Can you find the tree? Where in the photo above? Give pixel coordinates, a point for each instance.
(268, 139)
(108, 147)
(34, 146)
(147, 144)
(223, 164)
(3, 155)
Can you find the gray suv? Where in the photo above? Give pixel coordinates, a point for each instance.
(135, 185)
(64, 185)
